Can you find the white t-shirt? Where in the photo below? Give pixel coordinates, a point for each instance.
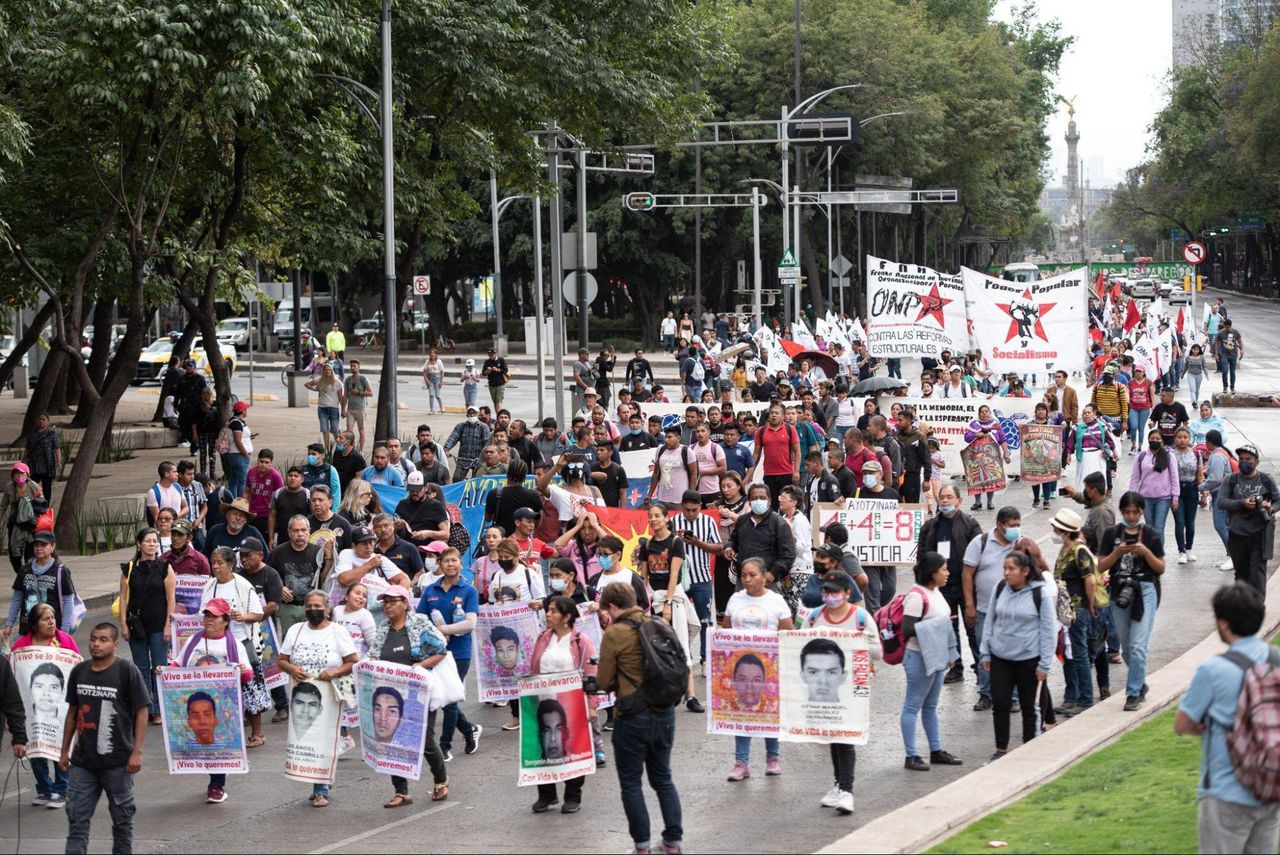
(347, 559)
(569, 505)
(668, 326)
(913, 606)
(170, 497)
(762, 612)
(359, 624)
(558, 655)
(621, 577)
(316, 650)
(802, 531)
(525, 581)
(241, 596)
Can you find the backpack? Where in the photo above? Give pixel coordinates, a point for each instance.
(1101, 599)
(1231, 460)
(222, 445)
(666, 671)
(1254, 741)
(459, 539)
(889, 619)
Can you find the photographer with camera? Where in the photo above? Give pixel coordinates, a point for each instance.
(1248, 496)
(1134, 556)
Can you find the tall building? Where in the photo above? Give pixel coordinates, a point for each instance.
(1246, 20)
(1195, 22)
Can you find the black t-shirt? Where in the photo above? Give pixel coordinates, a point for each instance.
(1115, 535)
(220, 536)
(397, 647)
(496, 378)
(638, 441)
(615, 481)
(105, 703)
(501, 504)
(435, 473)
(404, 555)
(147, 597)
(297, 570)
(287, 505)
(762, 391)
(338, 525)
(427, 514)
(349, 466)
(42, 588)
(527, 451)
(657, 555)
(267, 583)
(1168, 418)
(717, 433)
(886, 493)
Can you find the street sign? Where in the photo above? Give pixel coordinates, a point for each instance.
(788, 259)
(788, 269)
(1194, 252)
(638, 201)
(1251, 221)
(841, 266)
(422, 285)
(1178, 235)
(570, 289)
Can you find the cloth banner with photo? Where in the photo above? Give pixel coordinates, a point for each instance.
(555, 730)
(393, 704)
(186, 593)
(1041, 452)
(183, 627)
(881, 531)
(1030, 327)
(203, 720)
(824, 685)
(269, 654)
(914, 310)
(742, 682)
(983, 462)
(311, 752)
(42, 673)
(505, 635)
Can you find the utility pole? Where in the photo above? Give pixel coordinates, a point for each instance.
(539, 307)
(557, 270)
(500, 339)
(390, 311)
(584, 305)
(757, 268)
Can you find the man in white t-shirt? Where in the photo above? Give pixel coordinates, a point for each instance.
(165, 493)
(246, 607)
(360, 562)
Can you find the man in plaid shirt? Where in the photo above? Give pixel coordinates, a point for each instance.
(471, 436)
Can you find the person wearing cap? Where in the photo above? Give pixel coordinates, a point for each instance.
(638, 368)
(470, 436)
(1229, 350)
(1076, 567)
(19, 492)
(335, 341)
(470, 380)
(1248, 497)
(834, 556)
(236, 461)
(577, 494)
(246, 612)
(954, 387)
(182, 554)
(420, 518)
(147, 605)
(233, 531)
(188, 391)
(270, 588)
(453, 607)
(838, 611)
(360, 562)
(1111, 399)
(949, 533)
(318, 472)
(1169, 415)
(584, 377)
(882, 578)
(261, 485)
(495, 369)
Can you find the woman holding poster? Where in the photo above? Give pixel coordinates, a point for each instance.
(987, 425)
(755, 607)
(43, 694)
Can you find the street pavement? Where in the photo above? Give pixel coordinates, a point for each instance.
(486, 811)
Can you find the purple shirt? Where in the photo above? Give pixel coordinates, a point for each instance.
(1152, 484)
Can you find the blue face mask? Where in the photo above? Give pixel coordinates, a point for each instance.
(869, 481)
(606, 561)
(339, 446)
(312, 460)
(759, 506)
(1012, 533)
(947, 510)
(637, 431)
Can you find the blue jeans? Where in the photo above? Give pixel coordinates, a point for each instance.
(320, 790)
(45, 785)
(642, 742)
(1077, 669)
(1134, 637)
(984, 676)
(454, 717)
(84, 788)
(668, 343)
(1227, 365)
(1184, 518)
(1138, 426)
(1220, 517)
(1194, 381)
(1155, 513)
(700, 595)
(693, 390)
(894, 368)
(921, 700)
(149, 654)
(1047, 490)
(742, 748)
(237, 472)
(470, 394)
(328, 419)
(434, 399)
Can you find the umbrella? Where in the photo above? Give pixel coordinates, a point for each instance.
(872, 385)
(816, 357)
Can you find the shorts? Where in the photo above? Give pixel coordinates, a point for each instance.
(355, 416)
(328, 419)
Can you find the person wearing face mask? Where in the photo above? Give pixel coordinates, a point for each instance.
(1076, 567)
(614, 572)
(430, 573)
(347, 459)
(930, 648)
(1133, 554)
(319, 473)
(636, 438)
(949, 533)
(470, 436)
(1155, 478)
(1247, 496)
(762, 534)
(882, 579)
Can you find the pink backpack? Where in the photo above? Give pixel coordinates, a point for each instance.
(889, 620)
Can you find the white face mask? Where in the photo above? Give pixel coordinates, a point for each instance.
(759, 506)
(1055, 537)
(472, 419)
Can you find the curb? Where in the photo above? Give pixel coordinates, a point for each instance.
(927, 821)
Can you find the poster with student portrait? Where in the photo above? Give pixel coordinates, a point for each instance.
(555, 730)
(41, 673)
(184, 626)
(983, 461)
(203, 720)
(392, 700)
(269, 653)
(186, 594)
(743, 683)
(311, 753)
(506, 635)
(825, 686)
(588, 623)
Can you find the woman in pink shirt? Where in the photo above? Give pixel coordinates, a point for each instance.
(1140, 403)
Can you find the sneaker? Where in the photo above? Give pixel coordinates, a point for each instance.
(915, 763)
(832, 798)
(1016, 706)
(216, 796)
(976, 506)
(600, 758)
(448, 754)
(1132, 703)
(1182, 558)
(844, 805)
(543, 805)
(471, 741)
(671, 848)
(1142, 693)
(739, 772)
(1104, 693)
(1227, 566)
(570, 807)
(983, 705)
(56, 802)
(1046, 504)
(944, 758)
(1191, 556)
(40, 801)
(1068, 709)
(773, 767)
(994, 757)
(607, 726)
(1035, 503)
(694, 705)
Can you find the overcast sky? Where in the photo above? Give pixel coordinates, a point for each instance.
(1115, 72)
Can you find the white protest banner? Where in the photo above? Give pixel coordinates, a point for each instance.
(1030, 327)
(1146, 355)
(800, 334)
(506, 635)
(913, 310)
(947, 418)
(392, 700)
(881, 531)
(203, 720)
(555, 730)
(311, 753)
(41, 673)
(824, 685)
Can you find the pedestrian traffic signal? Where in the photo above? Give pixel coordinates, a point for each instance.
(639, 201)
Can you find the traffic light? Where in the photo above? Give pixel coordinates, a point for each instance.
(639, 201)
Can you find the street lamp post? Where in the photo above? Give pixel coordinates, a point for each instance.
(499, 340)
(390, 314)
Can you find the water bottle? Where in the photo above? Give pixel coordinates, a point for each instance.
(459, 613)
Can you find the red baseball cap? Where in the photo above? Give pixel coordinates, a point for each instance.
(240, 406)
(218, 607)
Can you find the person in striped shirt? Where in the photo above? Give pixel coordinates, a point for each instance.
(702, 540)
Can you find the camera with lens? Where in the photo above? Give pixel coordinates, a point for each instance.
(589, 684)
(1124, 583)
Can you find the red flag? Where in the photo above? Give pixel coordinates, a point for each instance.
(791, 347)
(1131, 317)
(1115, 293)
(1179, 323)
(1100, 286)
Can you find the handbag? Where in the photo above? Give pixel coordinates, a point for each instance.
(445, 687)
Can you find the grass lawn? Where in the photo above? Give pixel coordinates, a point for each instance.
(1136, 795)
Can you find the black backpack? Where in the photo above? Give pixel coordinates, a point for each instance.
(666, 672)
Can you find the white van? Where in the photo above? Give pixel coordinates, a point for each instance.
(316, 316)
(1022, 271)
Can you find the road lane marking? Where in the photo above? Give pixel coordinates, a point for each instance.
(342, 844)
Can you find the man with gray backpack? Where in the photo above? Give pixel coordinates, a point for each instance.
(1233, 703)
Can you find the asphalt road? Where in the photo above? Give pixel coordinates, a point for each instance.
(487, 812)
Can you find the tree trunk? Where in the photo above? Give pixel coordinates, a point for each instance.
(25, 343)
(42, 395)
(180, 350)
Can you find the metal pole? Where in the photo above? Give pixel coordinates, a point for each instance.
(797, 51)
(539, 312)
(861, 258)
(839, 248)
(557, 271)
(584, 305)
(830, 286)
(500, 340)
(389, 310)
(297, 320)
(795, 230)
(758, 267)
(785, 199)
(697, 234)
(252, 325)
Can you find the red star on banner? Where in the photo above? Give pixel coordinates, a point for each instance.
(1028, 310)
(931, 304)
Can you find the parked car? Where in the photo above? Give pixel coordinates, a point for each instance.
(154, 361)
(234, 332)
(6, 347)
(367, 330)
